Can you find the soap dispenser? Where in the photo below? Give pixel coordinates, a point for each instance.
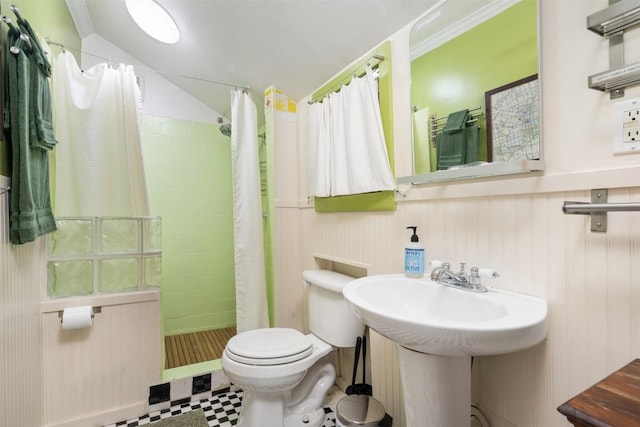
(414, 256)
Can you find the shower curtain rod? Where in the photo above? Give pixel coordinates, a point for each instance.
(357, 72)
(53, 43)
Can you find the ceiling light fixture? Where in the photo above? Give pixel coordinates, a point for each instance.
(154, 20)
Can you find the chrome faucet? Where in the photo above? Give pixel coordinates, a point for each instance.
(442, 274)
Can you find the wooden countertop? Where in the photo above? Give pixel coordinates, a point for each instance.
(614, 401)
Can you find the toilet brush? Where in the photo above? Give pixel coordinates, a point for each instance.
(364, 388)
(351, 389)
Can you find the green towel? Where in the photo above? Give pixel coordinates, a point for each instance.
(39, 54)
(456, 121)
(458, 148)
(472, 136)
(451, 149)
(30, 214)
(41, 124)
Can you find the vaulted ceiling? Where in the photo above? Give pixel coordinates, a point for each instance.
(295, 45)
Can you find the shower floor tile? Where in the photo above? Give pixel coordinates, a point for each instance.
(221, 410)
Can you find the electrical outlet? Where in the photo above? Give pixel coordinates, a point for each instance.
(631, 132)
(626, 122)
(631, 116)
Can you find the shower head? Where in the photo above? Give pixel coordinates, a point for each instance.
(225, 129)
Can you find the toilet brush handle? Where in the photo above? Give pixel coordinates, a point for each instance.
(355, 362)
(364, 359)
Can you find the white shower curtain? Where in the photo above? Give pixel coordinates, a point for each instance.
(99, 167)
(347, 138)
(251, 287)
(320, 149)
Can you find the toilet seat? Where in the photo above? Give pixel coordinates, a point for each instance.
(269, 346)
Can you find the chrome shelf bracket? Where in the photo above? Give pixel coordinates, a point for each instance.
(598, 217)
(598, 209)
(612, 22)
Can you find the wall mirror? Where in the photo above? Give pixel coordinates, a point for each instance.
(475, 90)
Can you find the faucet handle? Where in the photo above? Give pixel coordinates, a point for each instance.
(476, 274)
(474, 277)
(475, 281)
(461, 272)
(488, 272)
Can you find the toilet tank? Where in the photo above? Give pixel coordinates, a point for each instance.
(330, 317)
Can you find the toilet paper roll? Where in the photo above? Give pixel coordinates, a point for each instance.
(77, 317)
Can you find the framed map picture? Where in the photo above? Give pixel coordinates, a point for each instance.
(513, 121)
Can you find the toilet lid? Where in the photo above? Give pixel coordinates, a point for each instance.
(269, 346)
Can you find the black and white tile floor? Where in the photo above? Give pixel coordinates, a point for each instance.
(221, 410)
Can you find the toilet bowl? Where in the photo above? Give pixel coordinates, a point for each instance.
(282, 382)
(285, 375)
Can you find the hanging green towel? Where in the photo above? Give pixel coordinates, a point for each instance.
(41, 122)
(30, 212)
(472, 137)
(451, 149)
(458, 148)
(456, 121)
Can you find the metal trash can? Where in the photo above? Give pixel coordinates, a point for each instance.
(359, 410)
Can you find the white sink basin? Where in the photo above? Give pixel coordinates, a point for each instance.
(427, 317)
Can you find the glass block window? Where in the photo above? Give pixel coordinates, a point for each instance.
(104, 255)
(69, 278)
(74, 237)
(119, 235)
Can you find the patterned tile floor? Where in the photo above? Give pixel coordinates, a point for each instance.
(221, 410)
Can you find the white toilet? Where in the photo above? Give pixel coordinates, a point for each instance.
(283, 373)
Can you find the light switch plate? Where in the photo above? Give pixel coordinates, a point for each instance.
(626, 121)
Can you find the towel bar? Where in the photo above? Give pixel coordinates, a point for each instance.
(584, 208)
(436, 124)
(598, 209)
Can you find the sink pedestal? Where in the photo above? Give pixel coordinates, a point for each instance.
(437, 389)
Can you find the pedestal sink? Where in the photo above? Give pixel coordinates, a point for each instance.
(437, 329)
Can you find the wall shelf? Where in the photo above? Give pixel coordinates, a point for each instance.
(482, 171)
(612, 22)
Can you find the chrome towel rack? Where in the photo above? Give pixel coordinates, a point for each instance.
(598, 209)
(436, 124)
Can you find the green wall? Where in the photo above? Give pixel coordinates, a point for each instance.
(456, 75)
(49, 18)
(188, 170)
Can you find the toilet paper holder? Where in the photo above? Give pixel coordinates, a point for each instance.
(94, 311)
